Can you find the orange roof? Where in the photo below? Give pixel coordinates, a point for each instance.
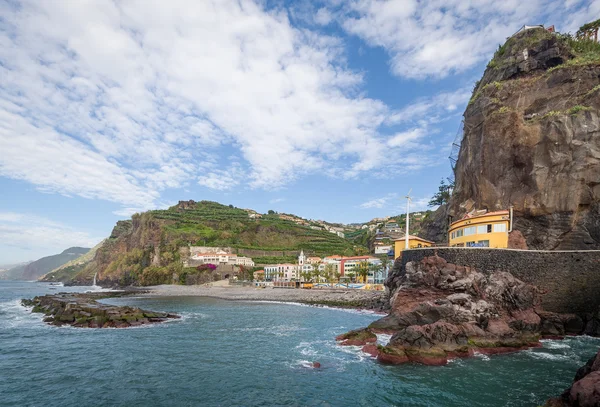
(259, 271)
(335, 256)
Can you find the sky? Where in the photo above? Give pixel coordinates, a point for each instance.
(330, 109)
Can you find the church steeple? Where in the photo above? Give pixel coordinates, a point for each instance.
(301, 258)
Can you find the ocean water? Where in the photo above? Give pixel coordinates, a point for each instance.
(250, 354)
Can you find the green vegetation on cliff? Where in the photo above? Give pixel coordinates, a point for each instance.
(150, 248)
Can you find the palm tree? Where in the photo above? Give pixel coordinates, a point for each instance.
(316, 274)
(363, 270)
(306, 276)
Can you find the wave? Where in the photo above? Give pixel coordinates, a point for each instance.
(15, 315)
(550, 356)
(555, 344)
(383, 339)
(481, 356)
(299, 304)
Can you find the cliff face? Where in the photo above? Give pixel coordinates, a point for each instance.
(149, 248)
(532, 140)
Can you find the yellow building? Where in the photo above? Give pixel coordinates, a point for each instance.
(413, 243)
(486, 230)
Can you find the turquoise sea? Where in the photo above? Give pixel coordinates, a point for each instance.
(250, 354)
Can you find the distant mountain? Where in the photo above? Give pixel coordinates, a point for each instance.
(67, 271)
(44, 265)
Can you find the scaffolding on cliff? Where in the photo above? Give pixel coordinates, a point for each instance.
(460, 133)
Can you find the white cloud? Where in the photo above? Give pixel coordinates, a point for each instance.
(323, 16)
(120, 101)
(24, 236)
(276, 200)
(374, 203)
(437, 38)
(378, 202)
(394, 204)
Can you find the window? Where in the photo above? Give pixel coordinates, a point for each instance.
(459, 233)
(483, 243)
(471, 244)
(489, 228)
(470, 230)
(481, 229)
(500, 227)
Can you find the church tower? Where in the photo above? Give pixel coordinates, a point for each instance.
(301, 258)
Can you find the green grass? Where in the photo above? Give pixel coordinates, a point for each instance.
(591, 91)
(576, 109)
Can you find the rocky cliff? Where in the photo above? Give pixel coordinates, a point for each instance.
(585, 391)
(441, 310)
(532, 140)
(149, 248)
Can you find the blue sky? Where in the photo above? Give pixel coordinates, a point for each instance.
(330, 110)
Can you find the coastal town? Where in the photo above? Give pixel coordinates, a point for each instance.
(478, 228)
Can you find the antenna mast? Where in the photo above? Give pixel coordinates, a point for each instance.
(408, 199)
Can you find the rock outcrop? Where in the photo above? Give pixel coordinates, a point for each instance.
(532, 140)
(83, 311)
(441, 311)
(585, 391)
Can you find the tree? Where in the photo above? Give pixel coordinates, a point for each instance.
(306, 276)
(316, 274)
(443, 195)
(271, 212)
(363, 270)
(330, 274)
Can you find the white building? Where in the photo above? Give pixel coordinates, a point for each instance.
(222, 257)
(382, 249)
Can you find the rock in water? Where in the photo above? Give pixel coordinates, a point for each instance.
(440, 311)
(585, 391)
(83, 311)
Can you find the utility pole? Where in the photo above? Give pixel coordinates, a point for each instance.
(408, 198)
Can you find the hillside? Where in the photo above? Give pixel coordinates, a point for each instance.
(148, 249)
(44, 265)
(532, 140)
(67, 271)
(365, 234)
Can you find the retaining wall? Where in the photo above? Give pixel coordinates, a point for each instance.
(569, 280)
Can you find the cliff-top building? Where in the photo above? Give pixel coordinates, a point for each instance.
(480, 230)
(413, 243)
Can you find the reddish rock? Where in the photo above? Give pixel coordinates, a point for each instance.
(586, 392)
(499, 327)
(430, 357)
(371, 350)
(391, 356)
(516, 240)
(357, 337)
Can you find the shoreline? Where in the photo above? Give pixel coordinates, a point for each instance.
(341, 298)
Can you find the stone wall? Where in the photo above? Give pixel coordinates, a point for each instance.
(569, 280)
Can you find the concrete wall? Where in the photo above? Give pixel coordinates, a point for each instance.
(569, 280)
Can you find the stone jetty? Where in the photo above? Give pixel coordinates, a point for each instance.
(84, 311)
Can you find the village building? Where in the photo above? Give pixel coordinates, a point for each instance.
(382, 248)
(481, 229)
(413, 243)
(222, 257)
